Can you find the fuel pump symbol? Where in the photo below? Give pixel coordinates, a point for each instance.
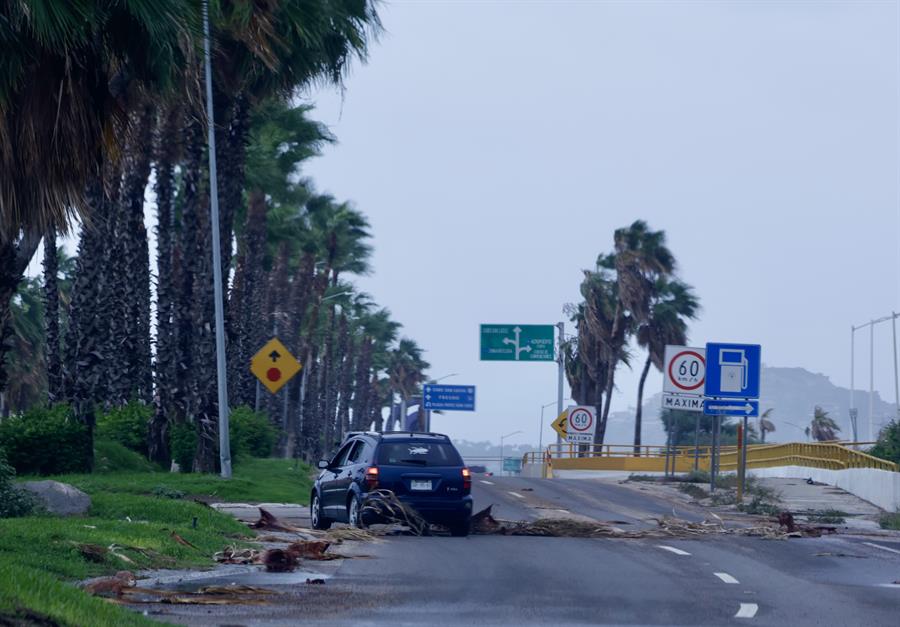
(734, 366)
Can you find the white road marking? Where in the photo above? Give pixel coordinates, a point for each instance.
(726, 578)
(747, 610)
(672, 549)
(516, 494)
(889, 585)
(486, 481)
(883, 548)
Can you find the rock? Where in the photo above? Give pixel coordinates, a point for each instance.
(59, 498)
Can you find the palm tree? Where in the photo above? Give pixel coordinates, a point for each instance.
(765, 424)
(61, 124)
(822, 427)
(672, 304)
(406, 372)
(640, 256)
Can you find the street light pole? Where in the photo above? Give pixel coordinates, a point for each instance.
(428, 411)
(541, 431)
(222, 381)
(503, 437)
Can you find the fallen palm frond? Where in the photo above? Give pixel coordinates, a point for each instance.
(312, 550)
(234, 555)
(359, 535)
(484, 523)
(268, 522)
(384, 506)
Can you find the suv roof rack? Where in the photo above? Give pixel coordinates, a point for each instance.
(416, 433)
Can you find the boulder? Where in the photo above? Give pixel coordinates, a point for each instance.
(59, 498)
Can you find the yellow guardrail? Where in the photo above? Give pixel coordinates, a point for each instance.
(652, 458)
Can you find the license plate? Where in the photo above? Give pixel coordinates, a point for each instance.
(419, 485)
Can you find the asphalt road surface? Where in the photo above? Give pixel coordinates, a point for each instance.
(493, 580)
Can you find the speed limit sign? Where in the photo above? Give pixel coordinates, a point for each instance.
(582, 424)
(685, 370)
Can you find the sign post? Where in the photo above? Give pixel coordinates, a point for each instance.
(731, 389)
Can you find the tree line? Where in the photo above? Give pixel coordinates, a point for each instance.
(101, 103)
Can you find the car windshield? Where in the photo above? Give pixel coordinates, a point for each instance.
(418, 454)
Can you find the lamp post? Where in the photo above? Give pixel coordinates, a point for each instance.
(541, 431)
(503, 437)
(219, 316)
(428, 411)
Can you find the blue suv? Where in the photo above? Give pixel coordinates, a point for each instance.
(424, 470)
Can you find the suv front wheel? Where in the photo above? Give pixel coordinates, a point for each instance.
(316, 515)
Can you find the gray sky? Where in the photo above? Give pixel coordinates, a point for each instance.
(495, 147)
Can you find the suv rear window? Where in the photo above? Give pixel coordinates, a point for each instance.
(418, 454)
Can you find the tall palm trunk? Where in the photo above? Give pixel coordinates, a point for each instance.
(613, 357)
(51, 318)
(345, 375)
(640, 408)
(246, 301)
(135, 350)
(86, 344)
(166, 348)
(362, 386)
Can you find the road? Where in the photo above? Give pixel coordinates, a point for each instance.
(493, 580)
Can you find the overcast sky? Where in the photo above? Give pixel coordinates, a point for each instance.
(495, 146)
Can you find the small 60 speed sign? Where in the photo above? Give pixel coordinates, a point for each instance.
(582, 424)
(685, 370)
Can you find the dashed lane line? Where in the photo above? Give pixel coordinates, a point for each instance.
(672, 549)
(516, 494)
(486, 481)
(883, 548)
(726, 578)
(747, 610)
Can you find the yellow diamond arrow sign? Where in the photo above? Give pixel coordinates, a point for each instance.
(559, 425)
(274, 365)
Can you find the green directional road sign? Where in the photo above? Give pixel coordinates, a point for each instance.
(517, 342)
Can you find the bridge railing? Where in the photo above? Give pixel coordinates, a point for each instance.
(652, 458)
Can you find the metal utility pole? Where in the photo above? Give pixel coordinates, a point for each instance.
(871, 377)
(853, 412)
(562, 368)
(896, 379)
(224, 442)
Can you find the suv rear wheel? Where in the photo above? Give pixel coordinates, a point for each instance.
(353, 512)
(316, 515)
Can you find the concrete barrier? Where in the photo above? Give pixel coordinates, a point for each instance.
(878, 487)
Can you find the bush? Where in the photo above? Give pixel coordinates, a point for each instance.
(251, 433)
(46, 441)
(888, 445)
(13, 500)
(112, 457)
(183, 444)
(126, 425)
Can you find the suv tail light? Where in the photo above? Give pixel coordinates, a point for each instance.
(467, 479)
(371, 478)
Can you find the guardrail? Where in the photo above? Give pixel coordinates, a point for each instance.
(652, 458)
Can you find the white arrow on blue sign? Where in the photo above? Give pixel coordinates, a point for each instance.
(731, 407)
(449, 397)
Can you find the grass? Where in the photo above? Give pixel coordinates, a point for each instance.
(890, 521)
(693, 490)
(827, 516)
(254, 481)
(134, 518)
(22, 588)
